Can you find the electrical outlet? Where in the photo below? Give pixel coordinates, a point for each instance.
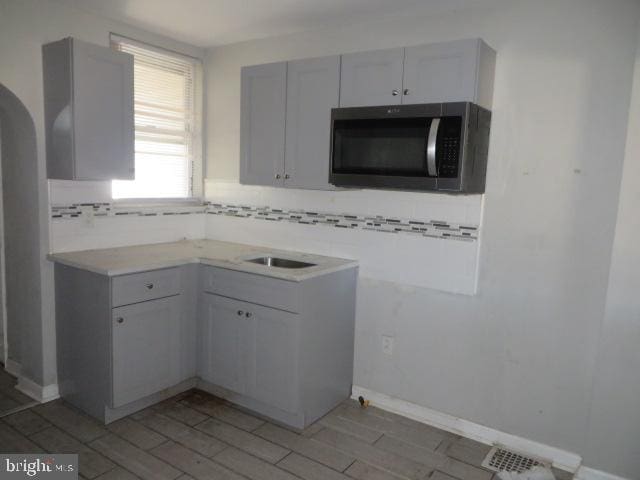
(387, 345)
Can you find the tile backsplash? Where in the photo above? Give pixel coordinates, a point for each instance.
(409, 238)
(428, 228)
(378, 223)
(458, 209)
(96, 210)
(85, 230)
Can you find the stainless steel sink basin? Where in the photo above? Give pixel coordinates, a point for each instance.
(280, 262)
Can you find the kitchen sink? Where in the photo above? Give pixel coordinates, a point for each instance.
(280, 262)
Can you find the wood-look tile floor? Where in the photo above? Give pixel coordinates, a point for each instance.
(11, 399)
(198, 436)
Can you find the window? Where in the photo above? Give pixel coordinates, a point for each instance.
(167, 122)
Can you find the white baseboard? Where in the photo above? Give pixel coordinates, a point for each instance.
(39, 393)
(561, 459)
(12, 367)
(586, 473)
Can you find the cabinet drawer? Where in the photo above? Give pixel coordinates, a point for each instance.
(268, 291)
(139, 287)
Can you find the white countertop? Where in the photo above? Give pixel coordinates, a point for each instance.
(139, 258)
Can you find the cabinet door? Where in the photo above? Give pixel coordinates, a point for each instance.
(262, 124)
(313, 88)
(103, 113)
(371, 78)
(146, 348)
(441, 72)
(273, 367)
(226, 342)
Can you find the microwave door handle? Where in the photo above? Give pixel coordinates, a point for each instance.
(432, 169)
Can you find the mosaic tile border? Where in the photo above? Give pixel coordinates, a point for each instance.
(84, 210)
(377, 223)
(430, 228)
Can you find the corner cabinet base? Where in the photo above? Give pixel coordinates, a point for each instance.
(279, 348)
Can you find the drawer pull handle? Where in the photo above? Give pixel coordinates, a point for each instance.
(240, 312)
(120, 320)
(248, 315)
(149, 286)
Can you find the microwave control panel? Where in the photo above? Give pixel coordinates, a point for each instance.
(448, 147)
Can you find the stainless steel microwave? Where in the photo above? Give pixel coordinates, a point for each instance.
(433, 147)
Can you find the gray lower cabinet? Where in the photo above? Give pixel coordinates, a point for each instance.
(371, 78)
(146, 348)
(251, 350)
(89, 117)
(281, 348)
(125, 342)
(224, 341)
(273, 359)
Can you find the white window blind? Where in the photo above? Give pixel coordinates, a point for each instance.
(166, 123)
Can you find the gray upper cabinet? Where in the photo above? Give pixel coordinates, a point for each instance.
(89, 115)
(458, 71)
(262, 124)
(285, 134)
(371, 78)
(313, 88)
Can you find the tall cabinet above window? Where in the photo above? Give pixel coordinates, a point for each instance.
(88, 92)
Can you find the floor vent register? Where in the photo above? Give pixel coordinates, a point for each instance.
(500, 459)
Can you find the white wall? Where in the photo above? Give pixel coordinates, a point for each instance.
(614, 427)
(520, 356)
(21, 235)
(25, 26)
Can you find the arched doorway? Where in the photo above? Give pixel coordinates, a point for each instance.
(20, 284)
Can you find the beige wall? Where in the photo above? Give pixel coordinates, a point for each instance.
(520, 356)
